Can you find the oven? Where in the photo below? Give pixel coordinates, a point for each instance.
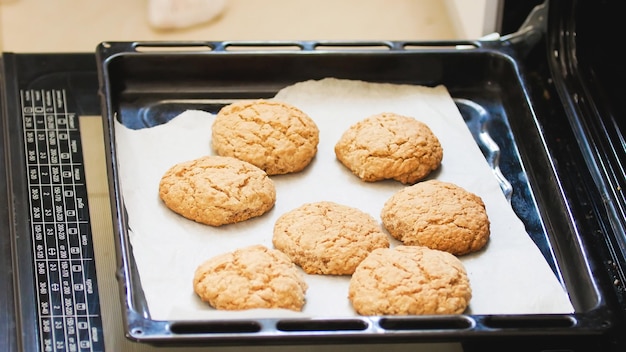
(546, 92)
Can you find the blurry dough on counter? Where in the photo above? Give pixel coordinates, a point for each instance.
(174, 14)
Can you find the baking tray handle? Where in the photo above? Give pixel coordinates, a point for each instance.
(112, 48)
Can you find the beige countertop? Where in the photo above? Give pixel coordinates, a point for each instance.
(78, 26)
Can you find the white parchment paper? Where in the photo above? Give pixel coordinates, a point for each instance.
(510, 276)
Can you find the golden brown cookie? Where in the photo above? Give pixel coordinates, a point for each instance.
(327, 238)
(217, 190)
(275, 136)
(250, 277)
(409, 280)
(438, 215)
(389, 146)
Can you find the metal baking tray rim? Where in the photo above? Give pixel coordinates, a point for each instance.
(139, 325)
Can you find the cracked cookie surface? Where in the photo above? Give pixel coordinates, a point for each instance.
(250, 277)
(217, 190)
(277, 137)
(327, 238)
(389, 146)
(409, 280)
(438, 215)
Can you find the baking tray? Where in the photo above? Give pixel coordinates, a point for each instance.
(143, 84)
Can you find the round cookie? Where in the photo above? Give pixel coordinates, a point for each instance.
(438, 215)
(217, 190)
(250, 277)
(327, 238)
(275, 136)
(409, 280)
(389, 146)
